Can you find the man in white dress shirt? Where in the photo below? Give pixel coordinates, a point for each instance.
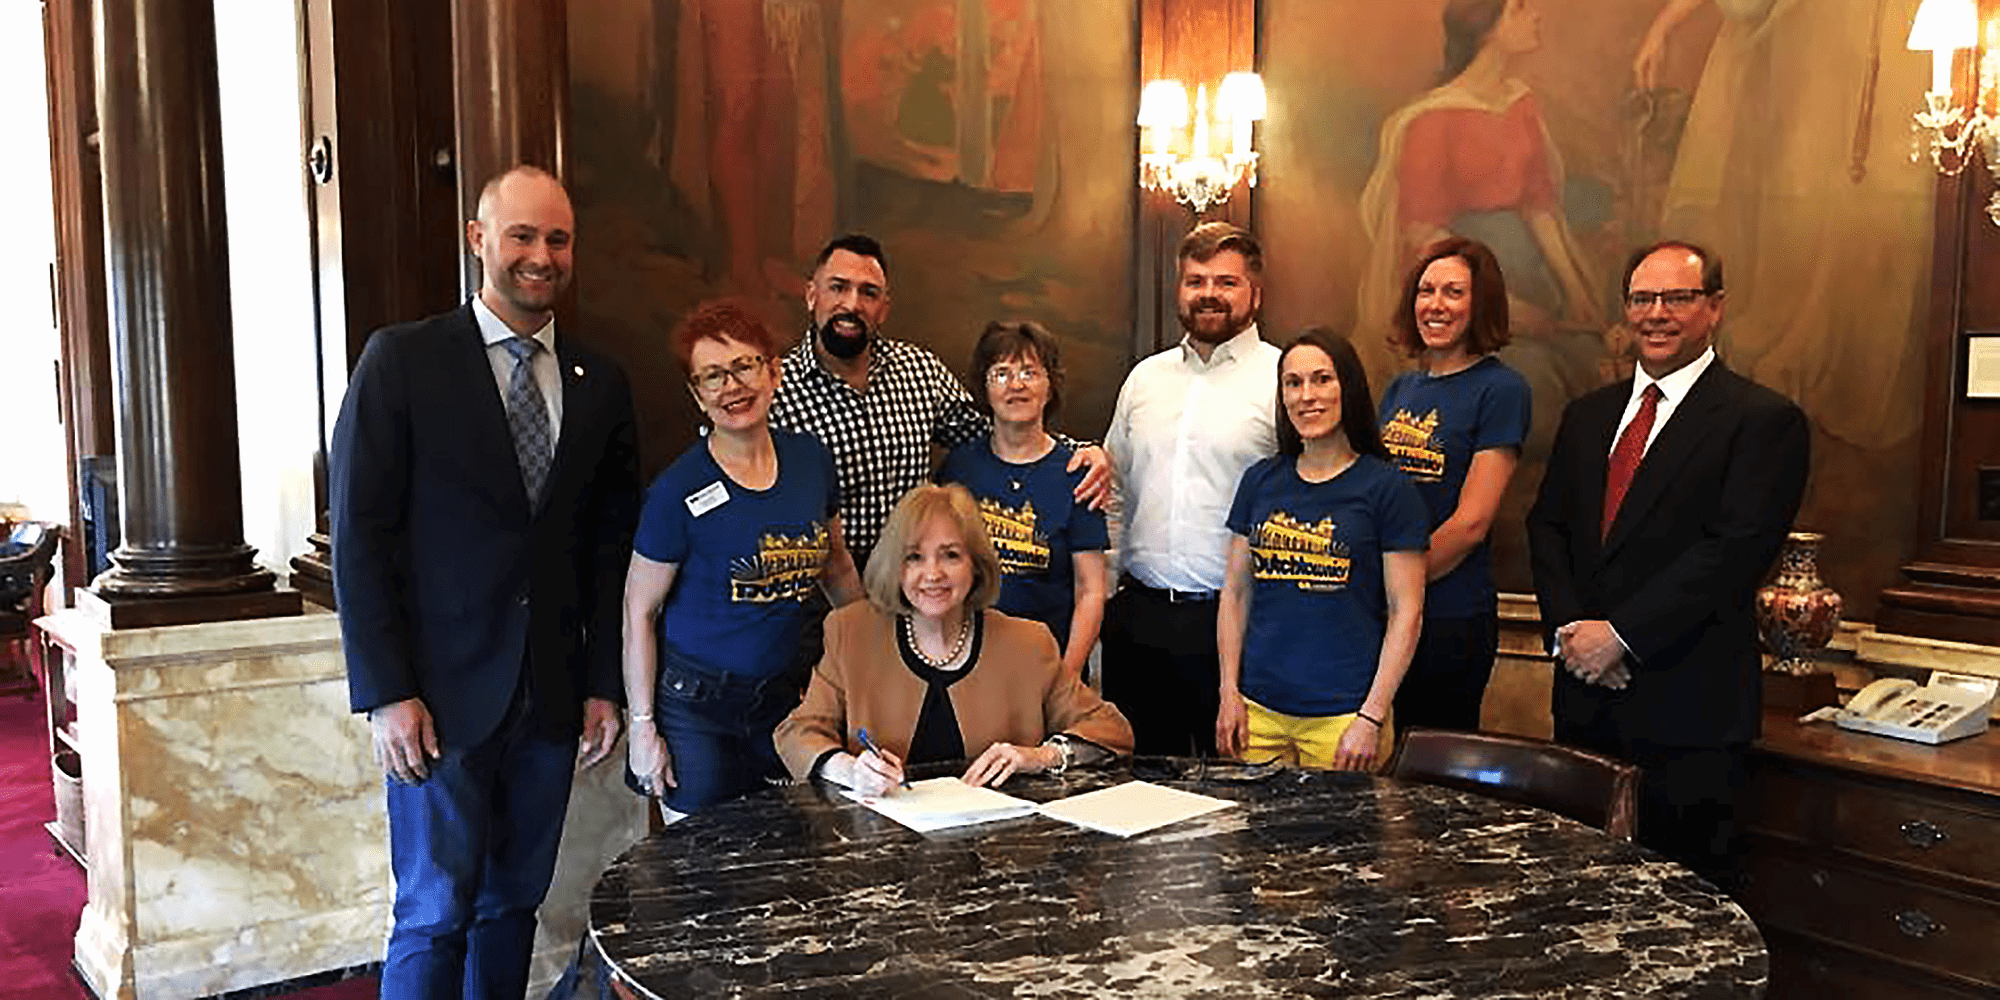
(1189, 420)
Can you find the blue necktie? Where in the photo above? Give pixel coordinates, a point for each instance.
(528, 417)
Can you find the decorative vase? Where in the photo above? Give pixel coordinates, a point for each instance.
(1796, 611)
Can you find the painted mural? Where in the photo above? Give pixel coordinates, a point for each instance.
(717, 144)
(1565, 132)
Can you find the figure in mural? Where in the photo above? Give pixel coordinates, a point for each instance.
(1773, 173)
(753, 142)
(1473, 158)
(946, 92)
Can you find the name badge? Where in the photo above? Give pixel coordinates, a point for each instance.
(707, 498)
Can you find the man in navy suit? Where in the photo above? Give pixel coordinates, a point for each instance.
(1666, 497)
(484, 487)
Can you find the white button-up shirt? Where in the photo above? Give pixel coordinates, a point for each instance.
(1182, 435)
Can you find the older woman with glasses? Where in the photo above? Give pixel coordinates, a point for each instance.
(926, 671)
(1051, 547)
(734, 537)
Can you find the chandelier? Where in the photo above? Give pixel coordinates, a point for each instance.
(1194, 173)
(1957, 133)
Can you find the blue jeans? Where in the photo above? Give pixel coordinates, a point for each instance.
(473, 847)
(718, 728)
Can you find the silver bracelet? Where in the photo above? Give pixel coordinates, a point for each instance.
(648, 717)
(1061, 741)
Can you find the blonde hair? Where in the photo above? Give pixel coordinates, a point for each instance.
(883, 579)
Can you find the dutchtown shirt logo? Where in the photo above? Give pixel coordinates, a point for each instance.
(1284, 549)
(785, 568)
(1023, 551)
(1412, 442)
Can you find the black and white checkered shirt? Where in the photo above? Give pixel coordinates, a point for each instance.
(881, 440)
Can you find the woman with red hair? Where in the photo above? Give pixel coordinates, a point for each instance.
(734, 537)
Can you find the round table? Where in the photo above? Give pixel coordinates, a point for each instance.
(1317, 884)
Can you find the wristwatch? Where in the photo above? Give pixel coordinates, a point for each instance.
(1061, 741)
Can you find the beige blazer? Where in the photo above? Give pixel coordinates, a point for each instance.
(1015, 692)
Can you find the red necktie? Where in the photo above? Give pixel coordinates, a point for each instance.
(1625, 457)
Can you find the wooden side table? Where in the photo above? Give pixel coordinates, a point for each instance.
(52, 663)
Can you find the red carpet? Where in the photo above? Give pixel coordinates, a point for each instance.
(42, 891)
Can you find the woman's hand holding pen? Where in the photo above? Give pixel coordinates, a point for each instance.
(877, 772)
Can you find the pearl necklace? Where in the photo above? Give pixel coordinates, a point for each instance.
(957, 646)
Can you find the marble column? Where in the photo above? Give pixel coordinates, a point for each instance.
(166, 262)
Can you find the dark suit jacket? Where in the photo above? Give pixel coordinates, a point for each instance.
(447, 582)
(1707, 511)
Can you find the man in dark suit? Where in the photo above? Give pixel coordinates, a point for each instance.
(484, 486)
(1666, 497)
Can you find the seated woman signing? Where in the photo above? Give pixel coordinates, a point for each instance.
(934, 674)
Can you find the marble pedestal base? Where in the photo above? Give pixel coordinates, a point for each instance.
(234, 816)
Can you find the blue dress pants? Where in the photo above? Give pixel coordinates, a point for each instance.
(473, 848)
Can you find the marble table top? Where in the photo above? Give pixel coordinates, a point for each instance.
(1320, 885)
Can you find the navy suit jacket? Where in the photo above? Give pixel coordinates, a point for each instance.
(1677, 576)
(447, 582)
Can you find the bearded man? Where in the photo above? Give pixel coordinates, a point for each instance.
(1189, 420)
(887, 409)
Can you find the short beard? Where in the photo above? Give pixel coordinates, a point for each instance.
(839, 344)
(1230, 326)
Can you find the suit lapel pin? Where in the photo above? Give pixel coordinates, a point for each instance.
(578, 370)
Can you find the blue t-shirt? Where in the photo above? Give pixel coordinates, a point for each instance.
(1432, 426)
(748, 559)
(1318, 607)
(1031, 514)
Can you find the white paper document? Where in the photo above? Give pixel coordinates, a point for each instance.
(1132, 808)
(943, 803)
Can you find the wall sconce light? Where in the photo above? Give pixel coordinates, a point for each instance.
(1199, 177)
(1957, 133)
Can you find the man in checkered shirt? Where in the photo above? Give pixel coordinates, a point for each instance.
(880, 405)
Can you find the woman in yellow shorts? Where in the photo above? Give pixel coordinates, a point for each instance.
(1325, 588)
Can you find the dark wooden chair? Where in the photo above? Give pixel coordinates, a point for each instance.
(27, 559)
(1587, 787)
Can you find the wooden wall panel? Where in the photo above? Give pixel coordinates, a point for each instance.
(79, 279)
(1951, 590)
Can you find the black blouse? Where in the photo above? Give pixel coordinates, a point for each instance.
(937, 737)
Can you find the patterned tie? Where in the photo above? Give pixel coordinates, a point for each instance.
(528, 417)
(1625, 457)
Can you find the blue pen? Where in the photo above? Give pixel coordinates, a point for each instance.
(868, 744)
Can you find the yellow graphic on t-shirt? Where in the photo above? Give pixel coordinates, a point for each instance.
(1412, 442)
(1285, 549)
(1023, 551)
(785, 568)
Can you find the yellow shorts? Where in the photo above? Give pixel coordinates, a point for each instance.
(1304, 741)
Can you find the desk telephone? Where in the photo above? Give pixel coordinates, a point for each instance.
(1948, 707)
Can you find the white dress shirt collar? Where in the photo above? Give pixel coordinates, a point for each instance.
(1674, 387)
(493, 330)
(1229, 350)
